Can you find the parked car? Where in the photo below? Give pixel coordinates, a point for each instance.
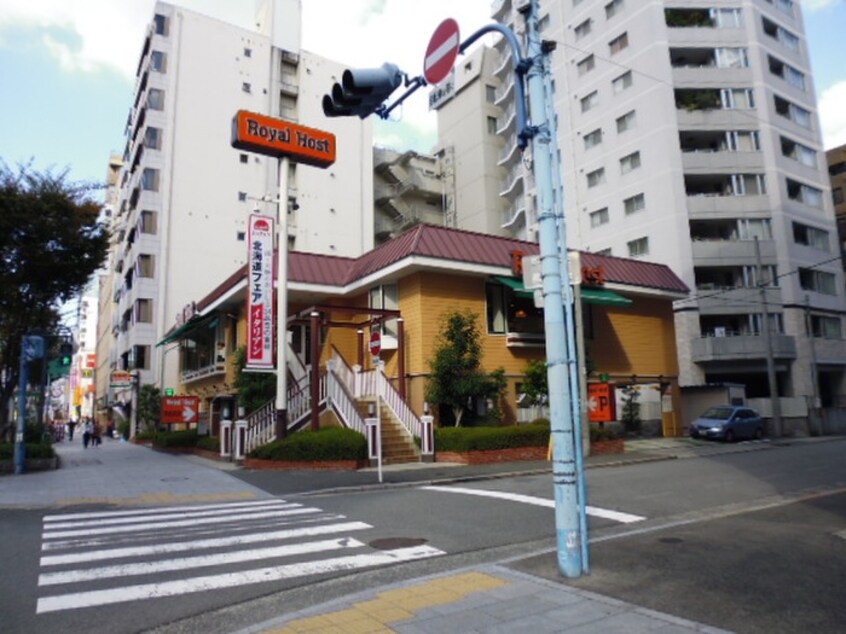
(728, 422)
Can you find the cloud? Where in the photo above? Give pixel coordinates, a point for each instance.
(832, 107)
(809, 6)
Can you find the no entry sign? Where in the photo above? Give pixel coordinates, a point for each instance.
(442, 51)
(375, 344)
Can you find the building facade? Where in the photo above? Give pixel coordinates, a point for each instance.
(836, 159)
(186, 194)
(688, 135)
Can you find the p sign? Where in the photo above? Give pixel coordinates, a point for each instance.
(601, 403)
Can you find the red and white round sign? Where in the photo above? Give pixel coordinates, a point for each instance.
(375, 344)
(442, 51)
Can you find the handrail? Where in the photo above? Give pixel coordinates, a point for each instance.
(261, 426)
(342, 401)
(404, 414)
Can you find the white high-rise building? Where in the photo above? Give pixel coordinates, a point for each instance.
(689, 136)
(186, 193)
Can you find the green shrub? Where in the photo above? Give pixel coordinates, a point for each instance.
(602, 433)
(209, 443)
(146, 435)
(34, 451)
(486, 438)
(175, 439)
(327, 444)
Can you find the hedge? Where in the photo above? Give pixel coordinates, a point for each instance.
(209, 443)
(486, 438)
(332, 443)
(34, 451)
(174, 439)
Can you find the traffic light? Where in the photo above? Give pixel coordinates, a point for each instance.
(362, 91)
(66, 354)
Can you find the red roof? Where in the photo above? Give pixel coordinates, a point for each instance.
(450, 245)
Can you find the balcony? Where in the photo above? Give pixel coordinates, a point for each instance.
(525, 340)
(736, 251)
(741, 348)
(506, 123)
(188, 376)
(504, 91)
(715, 300)
(513, 182)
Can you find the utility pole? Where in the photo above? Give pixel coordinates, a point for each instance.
(768, 343)
(282, 304)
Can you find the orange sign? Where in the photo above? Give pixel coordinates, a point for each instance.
(277, 137)
(593, 275)
(601, 403)
(180, 409)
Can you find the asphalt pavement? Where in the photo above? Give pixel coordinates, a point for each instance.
(634, 586)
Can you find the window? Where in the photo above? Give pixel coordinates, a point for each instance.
(152, 138)
(155, 99)
(817, 281)
(490, 93)
(804, 193)
(386, 297)
(837, 168)
(622, 82)
(780, 34)
(246, 87)
(244, 158)
(626, 122)
(242, 196)
(582, 29)
(590, 101)
(150, 179)
(618, 43)
(586, 65)
(837, 195)
(509, 311)
(794, 77)
(596, 177)
(141, 357)
(727, 57)
(826, 327)
(783, 5)
(810, 236)
(145, 266)
(742, 141)
(248, 52)
(599, 217)
(147, 222)
(593, 138)
(798, 152)
(748, 185)
(638, 247)
(160, 24)
(143, 311)
(492, 125)
(727, 18)
(789, 110)
(630, 162)
(613, 8)
(634, 204)
(751, 228)
(157, 61)
(737, 98)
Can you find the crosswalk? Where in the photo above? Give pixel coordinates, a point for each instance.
(100, 558)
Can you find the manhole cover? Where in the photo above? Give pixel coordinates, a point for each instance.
(671, 540)
(174, 479)
(392, 543)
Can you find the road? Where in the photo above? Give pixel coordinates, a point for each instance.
(751, 532)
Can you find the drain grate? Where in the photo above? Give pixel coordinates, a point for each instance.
(392, 543)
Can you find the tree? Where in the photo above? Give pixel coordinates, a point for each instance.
(457, 376)
(535, 385)
(149, 407)
(51, 242)
(254, 388)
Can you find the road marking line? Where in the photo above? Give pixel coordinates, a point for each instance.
(617, 516)
(215, 582)
(148, 526)
(157, 509)
(235, 540)
(199, 561)
(161, 515)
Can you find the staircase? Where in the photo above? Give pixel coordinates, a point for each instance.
(397, 446)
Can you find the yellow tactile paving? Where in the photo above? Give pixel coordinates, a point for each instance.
(376, 615)
(158, 498)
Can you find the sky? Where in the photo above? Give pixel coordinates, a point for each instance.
(67, 67)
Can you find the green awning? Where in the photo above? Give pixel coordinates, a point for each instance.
(192, 324)
(604, 296)
(515, 285)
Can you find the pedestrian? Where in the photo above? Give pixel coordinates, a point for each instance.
(71, 425)
(95, 435)
(88, 431)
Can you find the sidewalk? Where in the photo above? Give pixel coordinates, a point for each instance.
(121, 473)
(491, 599)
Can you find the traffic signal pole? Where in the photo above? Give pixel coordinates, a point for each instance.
(282, 304)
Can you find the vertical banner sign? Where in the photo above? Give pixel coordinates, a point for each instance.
(260, 298)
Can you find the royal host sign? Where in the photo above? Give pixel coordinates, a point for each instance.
(260, 293)
(277, 137)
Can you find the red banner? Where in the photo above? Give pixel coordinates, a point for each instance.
(260, 310)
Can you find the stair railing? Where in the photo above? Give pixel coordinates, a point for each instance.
(340, 399)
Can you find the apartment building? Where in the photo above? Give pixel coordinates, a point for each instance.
(836, 159)
(688, 135)
(186, 194)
